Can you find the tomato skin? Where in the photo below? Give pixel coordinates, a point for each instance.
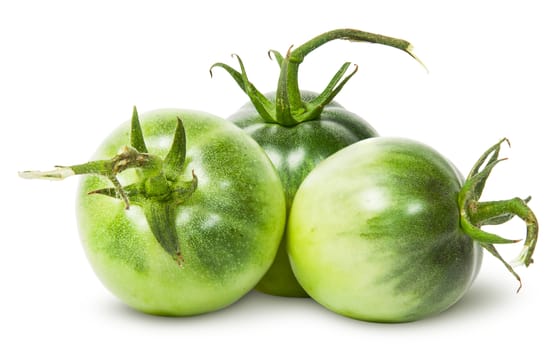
(295, 151)
(229, 229)
(374, 232)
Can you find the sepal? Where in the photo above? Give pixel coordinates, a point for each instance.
(474, 213)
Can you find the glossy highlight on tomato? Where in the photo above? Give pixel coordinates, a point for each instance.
(387, 230)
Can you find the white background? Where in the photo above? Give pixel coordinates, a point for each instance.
(70, 71)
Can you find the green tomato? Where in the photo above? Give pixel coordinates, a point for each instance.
(386, 230)
(204, 220)
(299, 128)
(295, 151)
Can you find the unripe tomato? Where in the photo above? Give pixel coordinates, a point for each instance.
(300, 128)
(387, 230)
(201, 216)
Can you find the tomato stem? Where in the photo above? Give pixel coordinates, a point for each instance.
(288, 100)
(289, 97)
(160, 187)
(289, 108)
(474, 213)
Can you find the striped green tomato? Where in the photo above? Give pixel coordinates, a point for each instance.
(386, 230)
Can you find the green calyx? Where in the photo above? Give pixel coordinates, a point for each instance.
(160, 187)
(474, 214)
(289, 108)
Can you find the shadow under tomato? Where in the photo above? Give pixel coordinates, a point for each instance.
(482, 297)
(253, 303)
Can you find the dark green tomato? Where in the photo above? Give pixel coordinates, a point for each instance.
(298, 129)
(374, 232)
(228, 229)
(295, 151)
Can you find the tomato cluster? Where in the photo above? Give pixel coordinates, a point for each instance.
(182, 212)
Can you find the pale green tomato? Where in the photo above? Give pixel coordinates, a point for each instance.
(228, 229)
(388, 230)
(374, 232)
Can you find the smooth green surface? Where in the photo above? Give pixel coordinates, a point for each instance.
(374, 232)
(229, 229)
(295, 151)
